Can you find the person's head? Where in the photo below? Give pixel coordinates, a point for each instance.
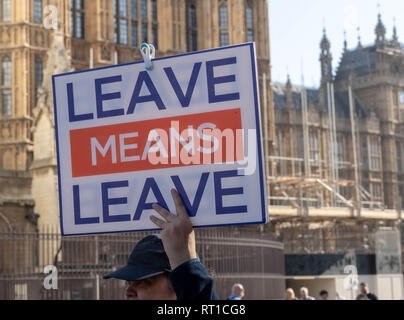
(146, 273)
(323, 295)
(238, 290)
(304, 292)
(290, 294)
(362, 296)
(364, 288)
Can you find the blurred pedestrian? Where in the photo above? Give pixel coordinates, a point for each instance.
(339, 297)
(290, 294)
(304, 294)
(323, 295)
(362, 296)
(365, 290)
(237, 292)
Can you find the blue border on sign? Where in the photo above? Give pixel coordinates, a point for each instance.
(258, 129)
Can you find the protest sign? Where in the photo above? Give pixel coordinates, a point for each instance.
(126, 136)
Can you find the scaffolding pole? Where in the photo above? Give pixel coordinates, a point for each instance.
(354, 144)
(266, 132)
(335, 142)
(331, 141)
(305, 123)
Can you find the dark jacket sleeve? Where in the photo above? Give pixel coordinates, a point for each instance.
(191, 281)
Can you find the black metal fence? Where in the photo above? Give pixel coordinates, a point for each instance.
(231, 254)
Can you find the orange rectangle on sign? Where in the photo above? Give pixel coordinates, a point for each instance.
(197, 139)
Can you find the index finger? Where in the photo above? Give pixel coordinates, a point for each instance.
(179, 205)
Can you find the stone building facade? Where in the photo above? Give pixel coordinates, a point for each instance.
(96, 33)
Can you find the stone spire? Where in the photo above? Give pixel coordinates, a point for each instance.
(359, 38)
(380, 32)
(289, 94)
(345, 43)
(394, 41)
(58, 62)
(325, 59)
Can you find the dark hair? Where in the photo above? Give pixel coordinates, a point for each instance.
(323, 292)
(364, 284)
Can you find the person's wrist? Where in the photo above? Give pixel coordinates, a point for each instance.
(180, 257)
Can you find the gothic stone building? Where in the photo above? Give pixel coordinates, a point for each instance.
(94, 33)
(338, 174)
(375, 75)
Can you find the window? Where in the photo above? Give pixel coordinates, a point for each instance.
(144, 16)
(341, 149)
(401, 97)
(38, 67)
(223, 24)
(6, 71)
(376, 190)
(401, 195)
(192, 43)
(38, 11)
(154, 36)
(6, 80)
(77, 18)
(121, 22)
(130, 15)
(400, 156)
(144, 9)
(374, 154)
(365, 154)
(154, 30)
(154, 10)
(6, 102)
(144, 32)
(6, 10)
(277, 147)
(249, 22)
(176, 23)
(134, 23)
(313, 143)
(133, 9)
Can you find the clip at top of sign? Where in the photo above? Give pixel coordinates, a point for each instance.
(148, 52)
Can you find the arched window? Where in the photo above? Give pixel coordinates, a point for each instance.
(133, 20)
(6, 71)
(143, 10)
(192, 34)
(38, 11)
(134, 23)
(249, 22)
(154, 30)
(6, 10)
(223, 24)
(38, 67)
(6, 80)
(121, 21)
(77, 18)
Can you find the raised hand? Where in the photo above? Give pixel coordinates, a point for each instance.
(177, 233)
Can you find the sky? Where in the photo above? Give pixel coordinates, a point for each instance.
(296, 29)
